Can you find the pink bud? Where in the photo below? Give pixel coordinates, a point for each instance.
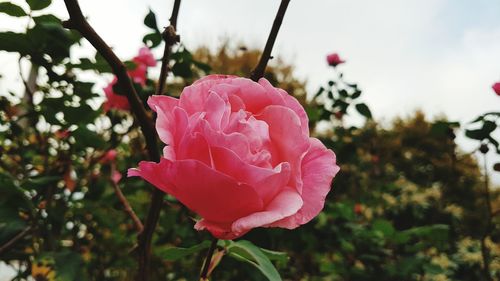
(334, 59)
(496, 88)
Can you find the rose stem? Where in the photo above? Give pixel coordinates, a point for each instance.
(208, 259)
(258, 72)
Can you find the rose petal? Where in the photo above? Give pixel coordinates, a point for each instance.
(318, 170)
(285, 204)
(266, 182)
(280, 97)
(214, 196)
(289, 142)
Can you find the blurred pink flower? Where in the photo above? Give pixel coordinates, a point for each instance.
(113, 100)
(496, 88)
(109, 156)
(239, 154)
(334, 59)
(142, 61)
(145, 57)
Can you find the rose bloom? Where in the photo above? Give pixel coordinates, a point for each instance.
(239, 155)
(496, 88)
(142, 61)
(334, 59)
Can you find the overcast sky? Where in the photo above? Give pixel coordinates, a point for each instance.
(441, 56)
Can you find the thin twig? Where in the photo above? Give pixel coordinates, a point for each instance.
(208, 259)
(126, 205)
(258, 72)
(484, 249)
(14, 239)
(78, 22)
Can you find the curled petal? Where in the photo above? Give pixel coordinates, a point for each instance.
(285, 204)
(318, 169)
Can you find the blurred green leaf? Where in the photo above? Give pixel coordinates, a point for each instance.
(11, 9)
(383, 226)
(175, 253)
(247, 252)
(38, 4)
(152, 40)
(364, 110)
(14, 42)
(150, 21)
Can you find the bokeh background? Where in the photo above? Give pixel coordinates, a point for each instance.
(414, 200)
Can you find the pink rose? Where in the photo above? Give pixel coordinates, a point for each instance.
(145, 57)
(113, 100)
(239, 155)
(334, 59)
(496, 88)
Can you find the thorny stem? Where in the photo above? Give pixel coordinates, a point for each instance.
(208, 259)
(258, 72)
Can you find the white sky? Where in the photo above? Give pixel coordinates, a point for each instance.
(441, 56)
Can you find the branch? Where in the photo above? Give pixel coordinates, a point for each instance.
(208, 259)
(16, 238)
(78, 22)
(171, 38)
(258, 72)
(175, 14)
(127, 207)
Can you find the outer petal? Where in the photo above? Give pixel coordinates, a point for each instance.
(218, 230)
(285, 204)
(289, 142)
(214, 196)
(318, 169)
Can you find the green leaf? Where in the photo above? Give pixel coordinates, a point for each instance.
(14, 42)
(247, 252)
(175, 253)
(38, 4)
(88, 138)
(182, 69)
(69, 266)
(384, 226)
(150, 21)
(152, 40)
(364, 110)
(11, 9)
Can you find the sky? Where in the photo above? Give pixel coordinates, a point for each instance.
(440, 56)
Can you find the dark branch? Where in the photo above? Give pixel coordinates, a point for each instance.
(208, 260)
(126, 205)
(171, 38)
(78, 22)
(175, 14)
(258, 72)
